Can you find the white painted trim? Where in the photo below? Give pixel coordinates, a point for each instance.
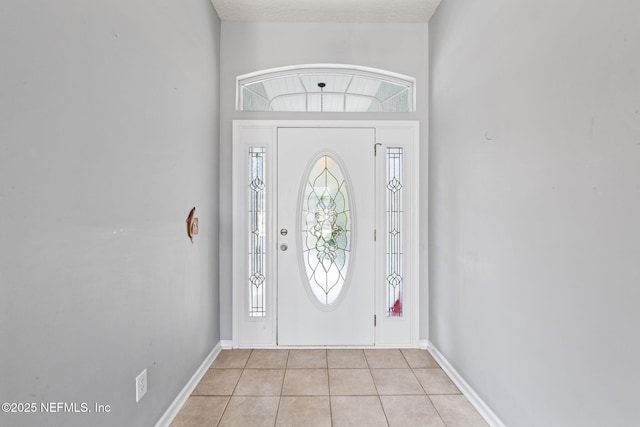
(250, 77)
(240, 142)
(390, 332)
(256, 331)
(483, 409)
(226, 344)
(326, 347)
(378, 73)
(323, 123)
(177, 404)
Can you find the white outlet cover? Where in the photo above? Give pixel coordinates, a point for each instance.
(141, 385)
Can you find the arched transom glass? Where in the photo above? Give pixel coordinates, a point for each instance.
(326, 88)
(326, 230)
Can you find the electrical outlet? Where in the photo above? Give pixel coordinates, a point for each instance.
(141, 385)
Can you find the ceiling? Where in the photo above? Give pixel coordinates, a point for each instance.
(326, 10)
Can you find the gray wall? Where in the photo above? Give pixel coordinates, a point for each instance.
(108, 137)
(248, 47)
(535, 184)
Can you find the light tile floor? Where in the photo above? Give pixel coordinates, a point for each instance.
(307, 388)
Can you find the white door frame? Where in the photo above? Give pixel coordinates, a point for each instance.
(262, 331)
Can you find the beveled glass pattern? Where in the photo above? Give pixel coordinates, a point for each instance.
(394, 280)
(257, 235)
(326, 230)
(329, 88)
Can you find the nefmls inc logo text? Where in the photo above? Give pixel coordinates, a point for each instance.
(66, 407)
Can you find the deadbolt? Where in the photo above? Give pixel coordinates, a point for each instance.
(284, 247)
(284, 231)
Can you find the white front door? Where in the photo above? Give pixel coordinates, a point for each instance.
(325, 220)
(319, 188)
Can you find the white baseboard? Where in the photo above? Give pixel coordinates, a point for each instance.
(177, 404)
(489, 416)
(226, 344)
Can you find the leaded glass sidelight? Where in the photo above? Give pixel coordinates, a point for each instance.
(257, 236)
(394, 190)
(326, 230)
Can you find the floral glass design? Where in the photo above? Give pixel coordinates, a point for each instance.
(326, 229)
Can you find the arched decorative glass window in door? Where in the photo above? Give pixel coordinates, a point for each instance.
(326, 88)
(326, 229)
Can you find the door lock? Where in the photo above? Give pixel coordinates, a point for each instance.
(284, 231)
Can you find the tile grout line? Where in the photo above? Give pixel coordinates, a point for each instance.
(380, 397)
(234, 388)
(326, 356)
(286, 364)
(377, 391)
(425, 391)
(436, 409)
(369, 369)
(429, 397)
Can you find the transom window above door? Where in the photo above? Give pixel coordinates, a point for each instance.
(326, 88)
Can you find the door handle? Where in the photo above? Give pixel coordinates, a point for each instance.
(284, 247)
